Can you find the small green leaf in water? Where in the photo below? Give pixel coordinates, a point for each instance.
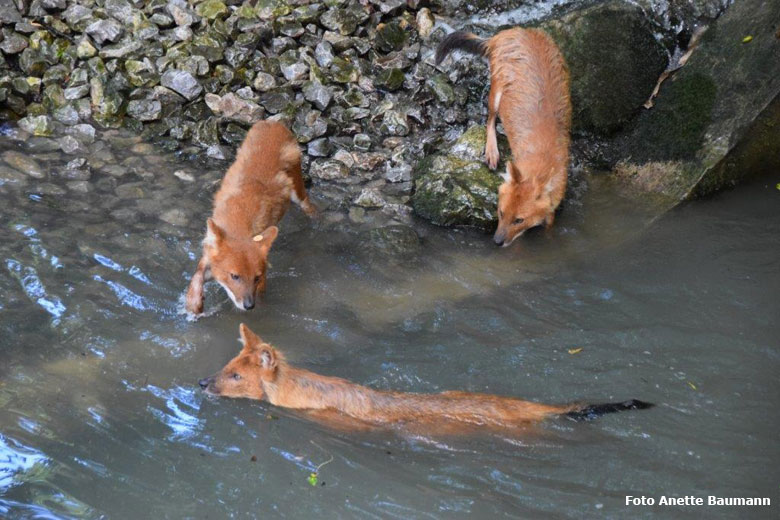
(747, 39)
(312, 479)
(777, 185)
(692, 385)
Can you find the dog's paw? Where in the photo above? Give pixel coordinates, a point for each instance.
(491, 156)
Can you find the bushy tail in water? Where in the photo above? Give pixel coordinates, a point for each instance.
(594, 411)
(461, 40)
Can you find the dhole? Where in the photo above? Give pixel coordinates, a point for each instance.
(253, 197)
(261, 372)
(529, 89)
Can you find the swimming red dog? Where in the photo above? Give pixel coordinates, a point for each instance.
(529, 89)
(261, 372)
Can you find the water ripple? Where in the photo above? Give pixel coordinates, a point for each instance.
(34, 288)
(15, 460)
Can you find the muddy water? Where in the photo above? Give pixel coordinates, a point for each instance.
(100, 414)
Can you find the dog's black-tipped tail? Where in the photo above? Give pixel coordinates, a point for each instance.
(594, 411)
(461, 40)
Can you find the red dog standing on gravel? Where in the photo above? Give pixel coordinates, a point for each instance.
(529, 89)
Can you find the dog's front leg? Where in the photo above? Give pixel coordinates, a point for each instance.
(491, 144)
(194, 302)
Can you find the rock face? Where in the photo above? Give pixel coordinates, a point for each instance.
(457, 188)
(614, 61)
(355, 81)
(717, 119)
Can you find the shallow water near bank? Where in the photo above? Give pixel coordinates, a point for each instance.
(100, 413)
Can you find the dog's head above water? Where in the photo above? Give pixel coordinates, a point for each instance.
(523, 203)
(244, 375)
(238, 264)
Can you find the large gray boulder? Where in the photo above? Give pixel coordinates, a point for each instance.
(614, 60)
(717, 119)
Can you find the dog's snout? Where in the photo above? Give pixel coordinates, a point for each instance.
(249, 303)
(204, 383)
(499, 239)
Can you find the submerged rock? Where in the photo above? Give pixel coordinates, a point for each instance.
(393, 241)
(24, 164)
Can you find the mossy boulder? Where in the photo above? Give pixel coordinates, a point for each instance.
(457, 188)
(614, 61)
(716, 120)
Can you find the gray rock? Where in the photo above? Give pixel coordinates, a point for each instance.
(53, 4)
(182, 82)
(121, 49)
(76, 13)
(345, 157)
(37, 125)
(399, 173)
(181, 13)
(120, 9)
(66, 115)
(328, 170)
(394, 122)
(343, 21)
(13, 43)
(9, 13)
(182, 33)
(83, 132)
(361, 142)
(309, 125)
(318, 94)
(232, 107)
(319, 147)
(369, 198)
(104, 30)
(216, 151)
(276, 100)
(264, 82)
(614, 60)
(145, 109)
(70, 144)
(323, 53)
(390, 37)
(78, 92)
(453, 191)
(292, 67)
(141, 73)
(161, 20)
(85, 49)
(425, 22)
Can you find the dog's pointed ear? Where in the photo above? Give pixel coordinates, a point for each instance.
(267, 237)
(250, 340)
(214, 233)
(268, 359)
(512, 173)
